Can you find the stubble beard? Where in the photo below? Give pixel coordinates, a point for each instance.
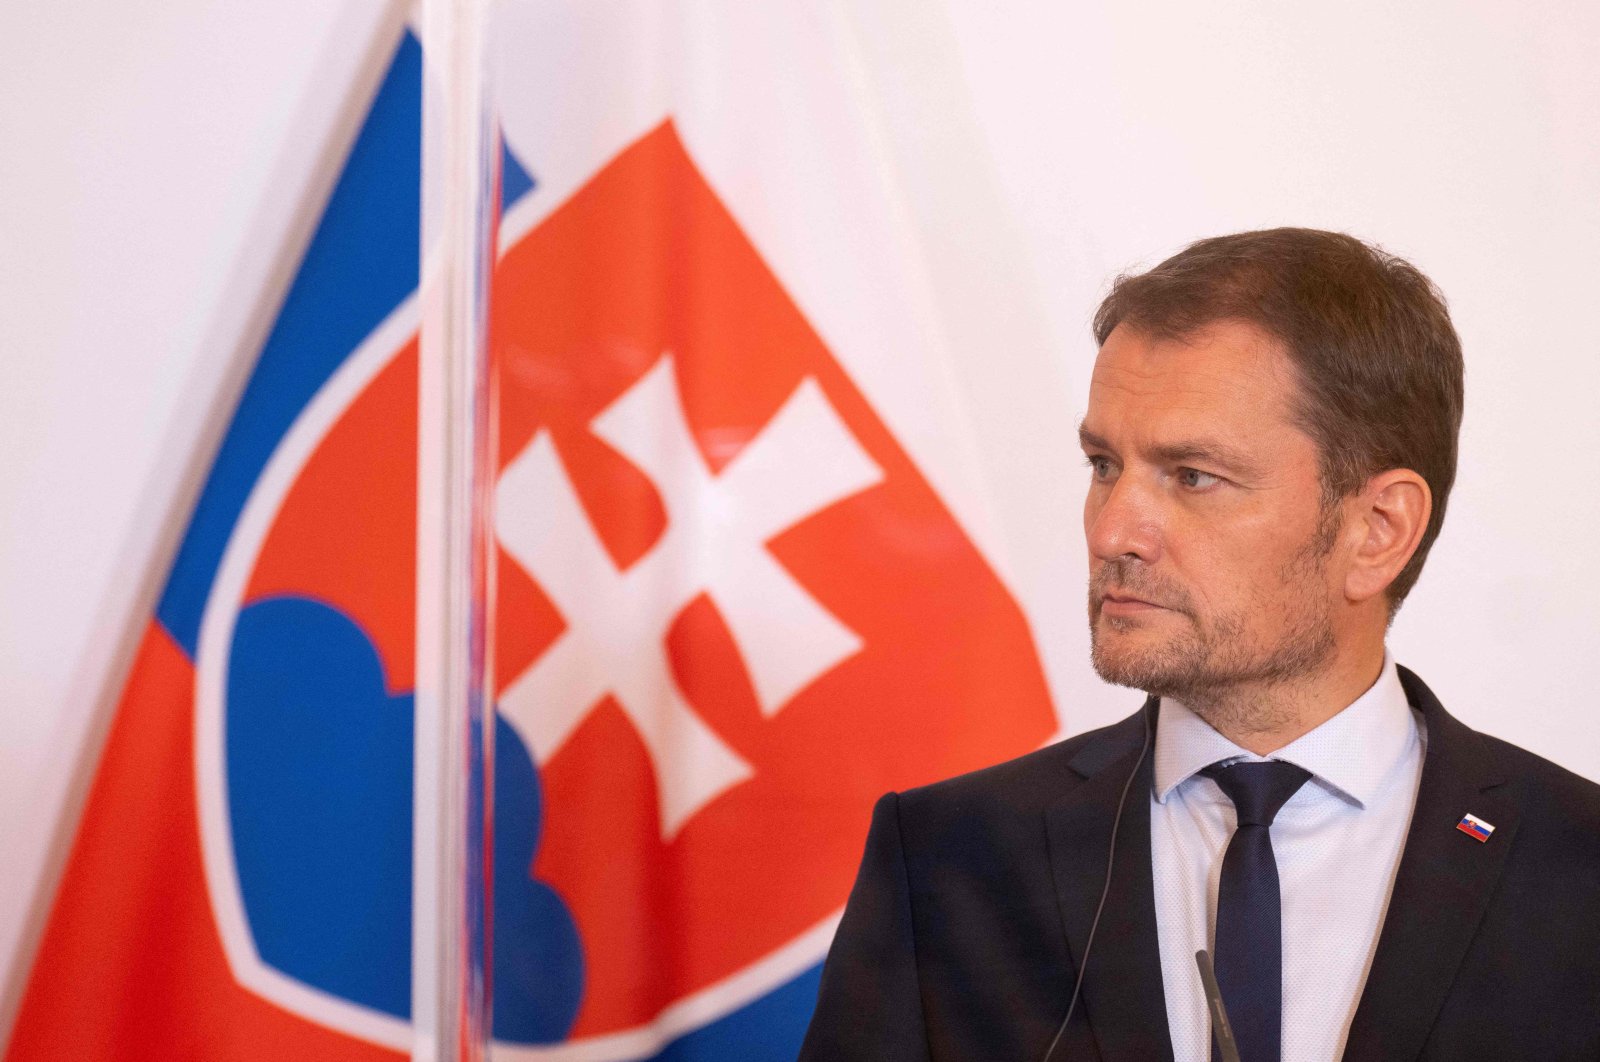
(1235, 683)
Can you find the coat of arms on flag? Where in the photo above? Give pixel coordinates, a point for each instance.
(731, 612)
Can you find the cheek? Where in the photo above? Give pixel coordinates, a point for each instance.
(1233, 564)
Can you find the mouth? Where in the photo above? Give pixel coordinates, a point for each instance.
(1125, 604)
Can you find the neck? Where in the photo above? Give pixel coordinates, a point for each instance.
(1262, 717)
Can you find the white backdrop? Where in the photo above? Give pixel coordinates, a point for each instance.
(146, 150)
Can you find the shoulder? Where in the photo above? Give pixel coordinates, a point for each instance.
(1545, 775)
(1557, 812)
(1539, 782)
(1555, 795)
(1013, 791)
(997, 818)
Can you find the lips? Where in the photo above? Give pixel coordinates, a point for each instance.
(1125, 604)
(1127, 590)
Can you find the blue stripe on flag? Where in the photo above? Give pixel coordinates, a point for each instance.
(515, 180)
(361, 264)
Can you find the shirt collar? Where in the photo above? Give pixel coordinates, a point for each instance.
(1351, 753)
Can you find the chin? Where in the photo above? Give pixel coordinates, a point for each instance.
(1143, 653)
(1123, 658)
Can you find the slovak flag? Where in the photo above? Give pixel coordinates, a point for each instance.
(1475, 827)
(239, 886)
(732, 609)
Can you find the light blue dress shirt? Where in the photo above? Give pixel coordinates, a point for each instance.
(1337, 841)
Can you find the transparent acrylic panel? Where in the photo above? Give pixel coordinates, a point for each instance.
(454, 737)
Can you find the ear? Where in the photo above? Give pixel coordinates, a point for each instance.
(1387, 519)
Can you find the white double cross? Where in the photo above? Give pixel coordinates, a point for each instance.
(804, 460)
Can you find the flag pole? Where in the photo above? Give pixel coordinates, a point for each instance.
(453, 737)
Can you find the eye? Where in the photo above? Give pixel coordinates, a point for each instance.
(1100, 466)
(1194, 479)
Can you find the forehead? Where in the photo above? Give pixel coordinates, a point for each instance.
(1230, 378)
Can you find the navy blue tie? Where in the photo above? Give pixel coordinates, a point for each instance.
(1249, 951)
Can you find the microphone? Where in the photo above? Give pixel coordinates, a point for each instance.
(1219, 1014)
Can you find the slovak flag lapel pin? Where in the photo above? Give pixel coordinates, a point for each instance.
(1475, 828)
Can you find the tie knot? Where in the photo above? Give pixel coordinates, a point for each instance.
(1258, 790)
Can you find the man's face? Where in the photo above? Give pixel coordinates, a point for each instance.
(1208, 547)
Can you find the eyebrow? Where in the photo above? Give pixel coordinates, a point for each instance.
(1185, 451)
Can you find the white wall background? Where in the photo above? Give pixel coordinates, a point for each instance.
(1464, 136)
(145, 150)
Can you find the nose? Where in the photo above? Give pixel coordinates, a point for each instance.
(1122, 521)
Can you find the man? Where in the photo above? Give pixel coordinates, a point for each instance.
(1271, 440)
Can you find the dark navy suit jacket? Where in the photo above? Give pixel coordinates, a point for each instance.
(973, 903)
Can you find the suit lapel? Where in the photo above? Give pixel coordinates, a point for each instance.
(1122, 994)
(1441, 890)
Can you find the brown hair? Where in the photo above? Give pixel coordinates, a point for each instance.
(1378, 360)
